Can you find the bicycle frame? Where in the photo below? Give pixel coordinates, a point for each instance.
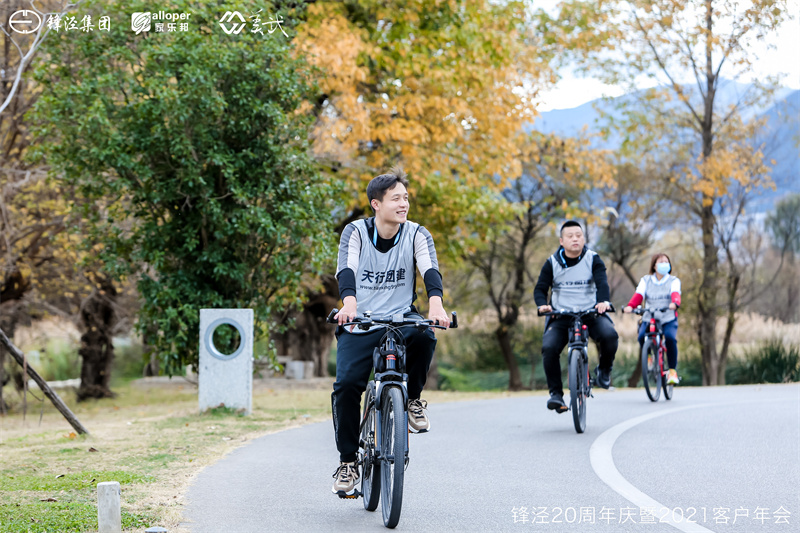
(393, 350)
(656, 334)
(579, 339)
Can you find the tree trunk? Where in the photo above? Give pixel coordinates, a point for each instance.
(504, 339)
(637, 373)
(50, 393)
(733, 289)
(432, 382)
(707, 297)
(707, 302)
(14, 288)
(311, 337)
(97, 348)
(152, 368)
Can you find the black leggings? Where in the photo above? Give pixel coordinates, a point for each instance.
(353, 367)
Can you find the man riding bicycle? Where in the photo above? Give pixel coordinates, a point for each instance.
(377, 259)
(578, 280)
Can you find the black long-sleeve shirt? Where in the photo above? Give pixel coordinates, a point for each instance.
(545, 282)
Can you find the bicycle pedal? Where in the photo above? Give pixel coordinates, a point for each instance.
(345, 496)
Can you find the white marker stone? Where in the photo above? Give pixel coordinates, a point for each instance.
(109, 517)
(226, 379)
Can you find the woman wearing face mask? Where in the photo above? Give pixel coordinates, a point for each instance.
(661, 289)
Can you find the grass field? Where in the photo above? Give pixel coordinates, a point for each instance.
(150, 438)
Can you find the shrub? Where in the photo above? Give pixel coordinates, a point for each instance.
(772, 361)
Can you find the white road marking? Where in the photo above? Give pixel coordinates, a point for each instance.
(603, 465)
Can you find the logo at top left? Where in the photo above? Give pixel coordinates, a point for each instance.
(25, 21)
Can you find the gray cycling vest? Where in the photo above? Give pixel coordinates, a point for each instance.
(385, 281)
(573, 287)
(657, 295)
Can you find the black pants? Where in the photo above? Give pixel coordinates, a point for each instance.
(556, 336)
(353, 367)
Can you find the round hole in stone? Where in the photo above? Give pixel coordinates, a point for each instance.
(226, 339)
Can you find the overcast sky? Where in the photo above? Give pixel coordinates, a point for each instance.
(573, 91)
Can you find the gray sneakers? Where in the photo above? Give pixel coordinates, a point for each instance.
(417, 418)
(345, 479)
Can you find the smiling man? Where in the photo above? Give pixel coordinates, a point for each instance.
(578, 280)
(377, 259)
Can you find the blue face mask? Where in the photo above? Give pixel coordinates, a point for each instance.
(663, 268)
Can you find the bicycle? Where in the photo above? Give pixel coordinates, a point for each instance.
(580, 382)
(654, 351)
(384, 421)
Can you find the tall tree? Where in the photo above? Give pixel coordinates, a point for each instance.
(200, 134)
(551, 186)
(33, 211)
(783, 227)
(709, 147)
(443, 87)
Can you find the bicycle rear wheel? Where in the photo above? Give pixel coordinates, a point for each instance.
(370, 468)
(394, 432)
(578, 387)
(651, 373)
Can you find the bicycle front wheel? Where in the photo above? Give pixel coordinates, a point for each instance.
(394, 432)
(578, 389)
(651, 373)
(370, 467)
(668, 390)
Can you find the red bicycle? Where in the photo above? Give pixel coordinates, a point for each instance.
(654, 355)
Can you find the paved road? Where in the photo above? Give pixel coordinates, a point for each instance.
(713, 455)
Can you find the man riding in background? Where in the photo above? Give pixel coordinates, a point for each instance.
(577, 277)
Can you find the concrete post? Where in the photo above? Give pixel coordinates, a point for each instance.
(109, 516)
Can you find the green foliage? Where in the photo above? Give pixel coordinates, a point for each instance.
(53, 517)
(75, 505)
(475, 350)
(624, 366)
(193, 146)
(59, 362)
(226, 339)
(771, 362)
(783, 224)
(221, 411)
(75, 480)
(129, 361)
(472, 360)
(453, 379)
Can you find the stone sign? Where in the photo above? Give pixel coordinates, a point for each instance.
(226, 379)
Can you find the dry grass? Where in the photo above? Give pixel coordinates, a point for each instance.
(154, 433)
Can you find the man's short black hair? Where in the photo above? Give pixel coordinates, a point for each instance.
(380, 184)
(569, 224)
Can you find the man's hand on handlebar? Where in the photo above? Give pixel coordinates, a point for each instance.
(437, 313)
(545, 308)
(627, 309)
(602, 307)
(349, 311)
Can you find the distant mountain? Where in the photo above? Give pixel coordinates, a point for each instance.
(782, 136)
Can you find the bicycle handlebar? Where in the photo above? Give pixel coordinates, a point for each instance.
(367, 322)
(580, 313)
(642, 310)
